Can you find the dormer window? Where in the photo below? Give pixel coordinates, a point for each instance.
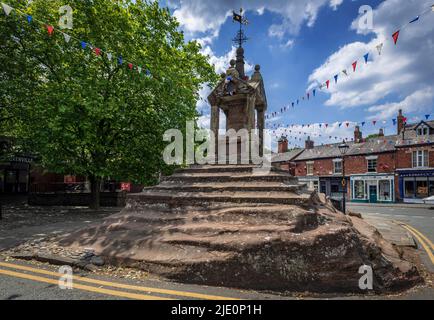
(422, 131)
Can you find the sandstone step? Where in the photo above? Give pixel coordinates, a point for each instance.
(179, 198)
(220, 187)
(230, 177)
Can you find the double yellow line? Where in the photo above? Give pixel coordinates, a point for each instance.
(424, 241)
(117, 293)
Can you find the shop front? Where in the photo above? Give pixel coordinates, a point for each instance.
(376, 188)
(312, 183)
(332, 187)
(416, 185)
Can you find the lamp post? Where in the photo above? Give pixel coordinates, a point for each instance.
(343, 148)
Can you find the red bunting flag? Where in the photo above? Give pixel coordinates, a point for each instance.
(130, 65)
(50, 29)
(328, 83)
(374, 122)
(97, 51)
(395, 36)
(354, 66)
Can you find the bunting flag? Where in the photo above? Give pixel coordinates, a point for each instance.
(130, 65)
(29, 19)
(139, 69)
(298, 101)
(308, 95)
(50, 29)
(354, 66)
(293, 104)
(374, 122)
(109, 56)
(414, 20)
(427, 116)
(7, 9)
(314, 92)
(380, 48)
(363, 123)
(120, 60)
(83, 44)
(345, 72)
(328, 83)
(347, 124)
(340, 124)
(395, 36)
(394, 121)
(327, 125)
(67, 37)
(366, 56)
(336, 78)
(432, 8)
(97, 51)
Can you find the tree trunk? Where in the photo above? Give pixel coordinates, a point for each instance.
(95, 188)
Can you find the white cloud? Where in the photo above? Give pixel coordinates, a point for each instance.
(209, 15)
(404, 70)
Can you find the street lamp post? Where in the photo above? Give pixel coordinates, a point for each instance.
(343, 148)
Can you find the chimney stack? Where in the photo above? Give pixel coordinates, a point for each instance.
(400, 121)
(358, 136)
(309, 144)
(381, 133)
(282, 145)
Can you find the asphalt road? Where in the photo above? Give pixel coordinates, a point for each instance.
(419, 220)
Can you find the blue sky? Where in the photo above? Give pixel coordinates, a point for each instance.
(302, 42)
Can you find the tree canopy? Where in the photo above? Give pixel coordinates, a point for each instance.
(87, 114)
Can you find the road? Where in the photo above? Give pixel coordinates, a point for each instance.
(418, 221)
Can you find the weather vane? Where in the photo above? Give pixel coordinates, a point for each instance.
(241, 37)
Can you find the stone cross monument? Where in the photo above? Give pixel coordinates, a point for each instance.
(241, 98)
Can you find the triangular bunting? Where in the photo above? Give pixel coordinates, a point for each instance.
(109, 56)
(374, 122)
(363, 124)
(328, 83)
(97, 51)
(336, 78)
(347, 124)
(395, 37)
(380, 48)
(314, 92)
(50, 29)
(29, 19)
(414, 20)
(120, 60)
(345, 72)
(394, 121)
(366, 56)
(354, 66)
(6, 8)
(130, 65)
(427, 116)
(139, 69)
(83, 44)
(67, 37)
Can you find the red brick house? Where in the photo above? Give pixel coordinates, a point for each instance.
(415, 162)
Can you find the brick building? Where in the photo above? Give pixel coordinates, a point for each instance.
(381, 169)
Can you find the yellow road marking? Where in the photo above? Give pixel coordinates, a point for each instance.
(82, 287)
(119, 285)
(424, 245)
(422, 236)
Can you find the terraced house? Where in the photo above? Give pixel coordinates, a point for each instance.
(381, 169)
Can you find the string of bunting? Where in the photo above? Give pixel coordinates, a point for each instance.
(296, 131)
(378, 48)
(51, 31)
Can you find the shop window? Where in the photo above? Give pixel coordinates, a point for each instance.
(421, 189)
(420, 158)
(385, 190)
(372, 165)
(309, 168)
(337, 167)
(409, 189)
(359, 189)
(431, 187)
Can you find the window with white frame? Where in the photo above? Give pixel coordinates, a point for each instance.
(422, 131)
(337, 166)
(420, 159)
(309, 168)
(372, 164)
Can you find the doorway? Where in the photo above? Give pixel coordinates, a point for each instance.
(373, 194)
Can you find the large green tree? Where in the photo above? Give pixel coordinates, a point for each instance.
(87, 114)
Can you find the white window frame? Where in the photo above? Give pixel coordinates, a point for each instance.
(308, 164)
(371, 159)
(422, 131)
(334, 166)
(420, 159)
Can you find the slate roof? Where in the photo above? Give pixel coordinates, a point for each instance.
(287, 156)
